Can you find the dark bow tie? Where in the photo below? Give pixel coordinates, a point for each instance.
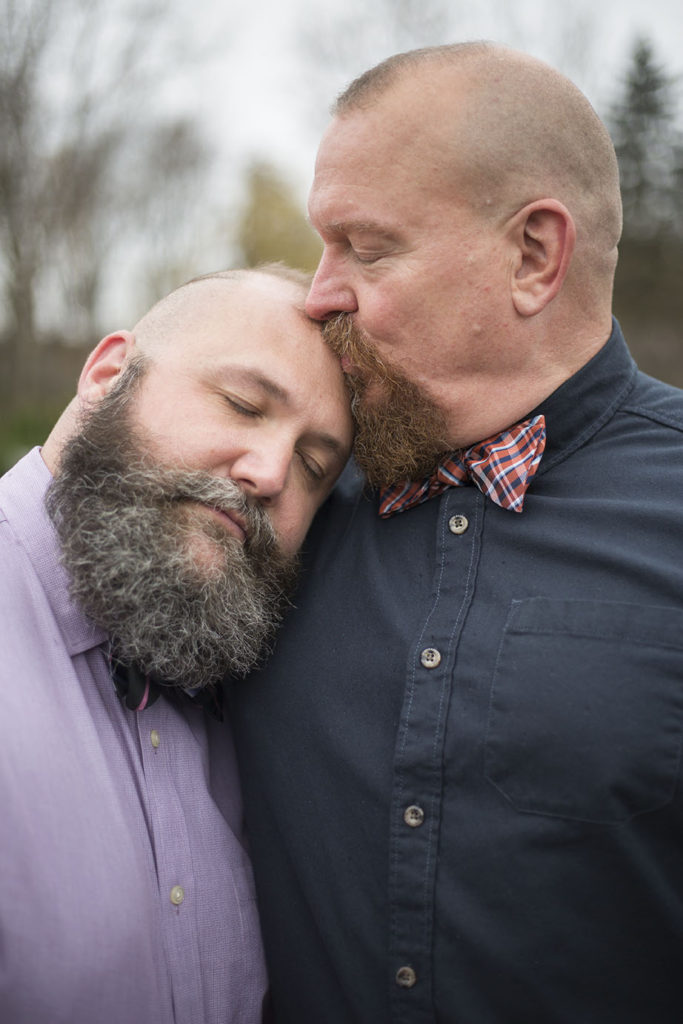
(502, 468)
(139, 691)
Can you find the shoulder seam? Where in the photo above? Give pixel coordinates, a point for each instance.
(651, 414)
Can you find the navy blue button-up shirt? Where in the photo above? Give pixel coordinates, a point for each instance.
(462, 764)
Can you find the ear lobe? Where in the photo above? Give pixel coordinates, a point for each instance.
(104, 365)
(544, 236)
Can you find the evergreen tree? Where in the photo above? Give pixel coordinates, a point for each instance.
(649, 149)
(648, 300)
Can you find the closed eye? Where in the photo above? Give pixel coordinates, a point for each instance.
(367, 257)
(239, 407)
(311, 467)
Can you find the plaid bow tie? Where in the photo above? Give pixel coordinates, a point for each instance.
(502, 468)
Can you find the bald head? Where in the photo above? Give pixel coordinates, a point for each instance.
(468, 201)
(177, 314)
(506, 129)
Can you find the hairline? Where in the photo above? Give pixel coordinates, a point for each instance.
(376, 81)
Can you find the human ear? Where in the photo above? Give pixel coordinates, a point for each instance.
(544, 236)
(104, 365)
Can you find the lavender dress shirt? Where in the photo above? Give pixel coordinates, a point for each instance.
(127, 894)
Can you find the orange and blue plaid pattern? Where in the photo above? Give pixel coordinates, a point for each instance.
(502, 468)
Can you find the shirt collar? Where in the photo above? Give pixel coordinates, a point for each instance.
(583, 404)
(23, 505)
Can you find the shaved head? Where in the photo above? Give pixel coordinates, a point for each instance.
(468, 200)
(178, 312)
(511, 130)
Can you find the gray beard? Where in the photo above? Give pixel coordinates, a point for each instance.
(127, 530)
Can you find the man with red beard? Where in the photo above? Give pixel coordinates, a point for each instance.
(462, 766)
(180, 484)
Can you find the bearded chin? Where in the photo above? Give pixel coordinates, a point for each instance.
(401, 433)
(397, 438)
(130, 533)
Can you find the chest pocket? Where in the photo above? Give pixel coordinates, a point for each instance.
(586, 710)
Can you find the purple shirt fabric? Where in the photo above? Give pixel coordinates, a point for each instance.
(127, 893)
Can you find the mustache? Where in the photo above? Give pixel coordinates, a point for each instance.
(222, 494)
(349, 341)
(164, 487)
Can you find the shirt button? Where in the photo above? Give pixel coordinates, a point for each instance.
(406, 977)
(430, 657)
(177, 895)
(413, 816)
(458, 524)
(154, 738)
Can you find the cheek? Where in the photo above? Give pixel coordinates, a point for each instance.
(170, 445)
(182, 430)
(160, 417)
(386, 317)
(291, 521)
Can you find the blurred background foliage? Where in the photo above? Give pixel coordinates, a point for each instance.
(113, 191)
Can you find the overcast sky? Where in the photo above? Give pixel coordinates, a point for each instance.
(269, 70)
(268, 95)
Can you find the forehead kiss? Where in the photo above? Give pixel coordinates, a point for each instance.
(401, 433)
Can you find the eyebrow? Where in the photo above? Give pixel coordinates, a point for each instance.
(361, 226)
(244, 375)
(258, 379)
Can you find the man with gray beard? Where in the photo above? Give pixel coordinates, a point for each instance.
(124, 526)
(147, 550)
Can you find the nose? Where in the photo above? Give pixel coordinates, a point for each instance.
(262, 472)
(329, 293)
